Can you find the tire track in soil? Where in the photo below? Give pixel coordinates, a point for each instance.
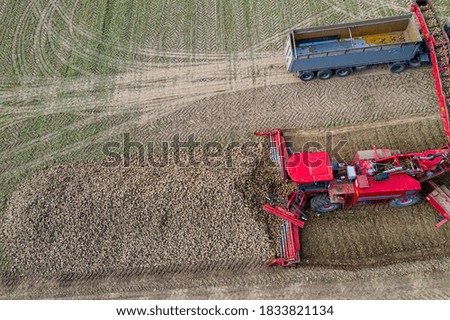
(404, 280)
(40, 34)
(238, 104)
(393, 5)
(115, 108)
(296, 105)
(284, 99)
(74, 46)
(17, 46)
(82, 30)
(282, 34)
(406, 236)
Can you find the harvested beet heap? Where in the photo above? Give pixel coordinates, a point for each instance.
(85, 217)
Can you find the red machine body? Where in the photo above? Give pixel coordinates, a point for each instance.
(309, 167)
(374, 176)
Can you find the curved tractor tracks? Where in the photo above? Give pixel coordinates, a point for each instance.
(212, 85)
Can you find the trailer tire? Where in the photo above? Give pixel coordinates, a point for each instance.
(343, 72)
(405, 202)
(306, 76)
(447, 27)
(322, 204)
(397, 67)
(325, 74)
(415, 63)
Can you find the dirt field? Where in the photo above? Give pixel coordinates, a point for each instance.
(85, 222)
(88, 218)
(74, 78)
(245, 280)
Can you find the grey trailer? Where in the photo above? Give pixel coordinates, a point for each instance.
(340, 49)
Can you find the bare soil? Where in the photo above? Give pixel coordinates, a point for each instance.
(202, 226)
(85, 231)
(84, 217)
(427, 279)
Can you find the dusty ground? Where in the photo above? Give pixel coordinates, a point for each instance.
(359, 238)
(219, 96)
(87, 218)
(245, 280)
(81, 208)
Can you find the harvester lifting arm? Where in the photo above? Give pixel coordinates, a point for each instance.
(293, 211)
(294, 218)
(278, 149)
(285, 214)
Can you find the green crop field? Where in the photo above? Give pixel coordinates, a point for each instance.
(80, 38)
(66, 67)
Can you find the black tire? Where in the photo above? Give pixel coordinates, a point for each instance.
(397, 67)
(343, 72)
(325, 74)
(405, 202)
(415, 63)
(322, 204)
(447, 27)
(447, 31)
(306, 76)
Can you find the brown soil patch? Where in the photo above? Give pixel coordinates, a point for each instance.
(85, 218)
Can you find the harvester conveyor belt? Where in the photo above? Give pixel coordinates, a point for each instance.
(438, 44)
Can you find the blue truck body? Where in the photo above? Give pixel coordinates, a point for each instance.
(354, 45)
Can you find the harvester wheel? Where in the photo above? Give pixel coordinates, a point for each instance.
(322, 204)
(404, 202)
(306, 76)
(343, 72)
(397, 67)
(325, 74)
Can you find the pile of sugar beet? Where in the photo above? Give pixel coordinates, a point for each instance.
(87, 217)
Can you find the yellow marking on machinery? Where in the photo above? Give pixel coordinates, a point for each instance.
(380, 38)
(383, 38)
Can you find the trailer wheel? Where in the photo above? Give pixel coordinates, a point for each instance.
(306, 76)
(325, 74)
(447, 27)
(404, 202)
(322, 204)
(415, 63)
(343, 72)
(397, 67)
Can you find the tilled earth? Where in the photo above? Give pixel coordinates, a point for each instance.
(85, 230)
(86, 217)
(86, 226)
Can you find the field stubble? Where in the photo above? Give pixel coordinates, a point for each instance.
(219, 80)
